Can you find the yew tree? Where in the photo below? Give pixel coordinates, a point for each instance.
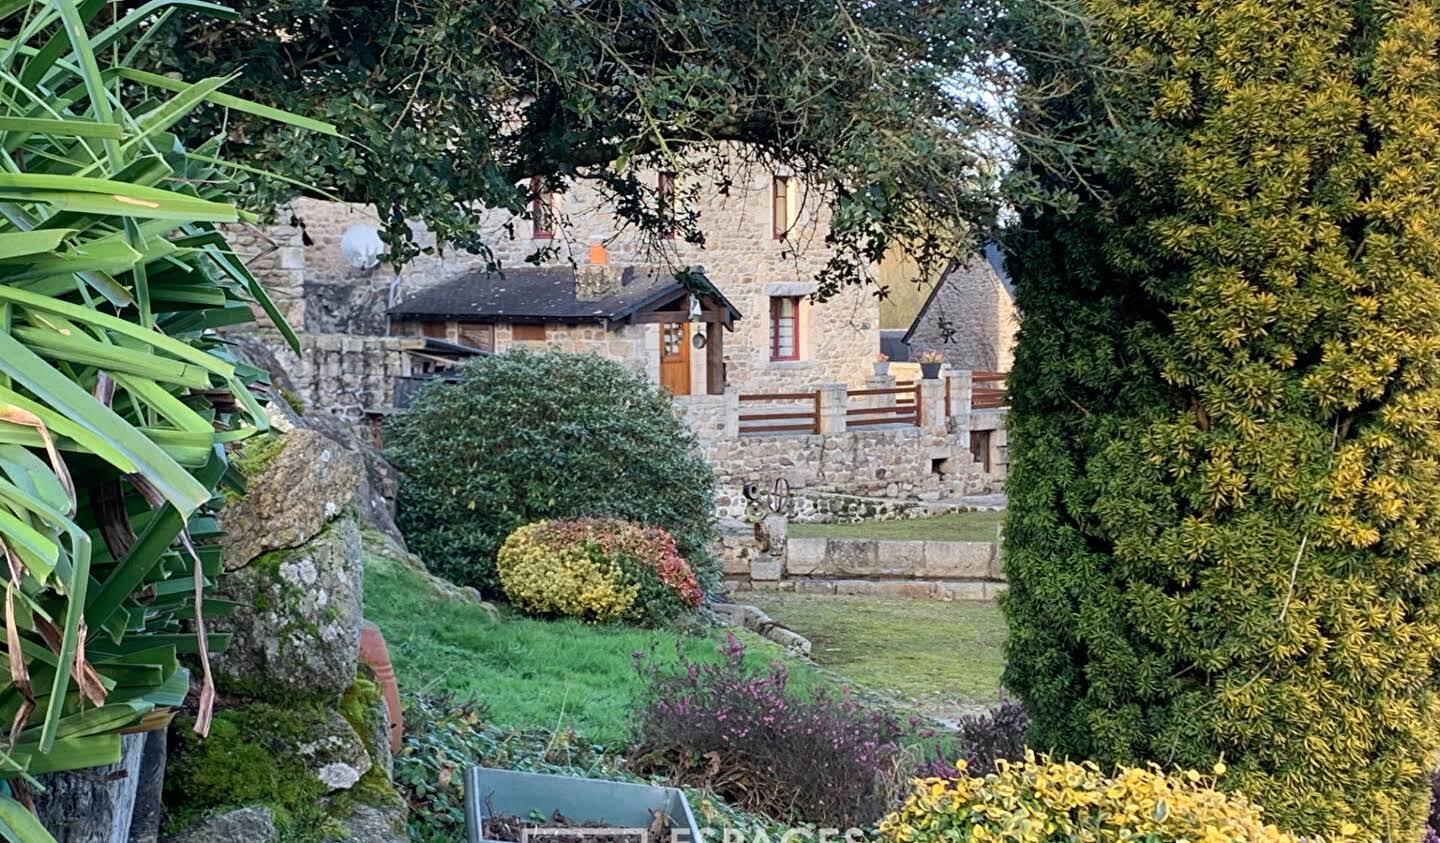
(1223, 540)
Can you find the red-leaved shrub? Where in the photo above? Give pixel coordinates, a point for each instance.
(738, 730)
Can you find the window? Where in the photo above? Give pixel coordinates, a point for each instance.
(522, 333)
(542, 210)
(478, 336)
(785, 328)
(665, 194)
(780, 207)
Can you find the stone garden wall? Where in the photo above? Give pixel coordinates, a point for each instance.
(943, 570)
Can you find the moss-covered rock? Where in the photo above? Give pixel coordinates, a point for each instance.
(298, 632)
(294, 485)
(308, 766)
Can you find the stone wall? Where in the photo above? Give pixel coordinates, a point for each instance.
(970, 318)
(925, 463)
(944, 570)
(344, 376)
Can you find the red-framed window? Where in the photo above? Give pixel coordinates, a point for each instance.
(665, 192)
(542, 210)
(780, 207)
(784, 327)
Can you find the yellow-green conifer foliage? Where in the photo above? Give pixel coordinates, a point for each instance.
(1224, 534)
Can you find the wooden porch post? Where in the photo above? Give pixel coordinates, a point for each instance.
(715, 358)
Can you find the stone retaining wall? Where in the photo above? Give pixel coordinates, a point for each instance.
(947, 570)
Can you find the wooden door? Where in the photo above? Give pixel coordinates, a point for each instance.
(675, 357)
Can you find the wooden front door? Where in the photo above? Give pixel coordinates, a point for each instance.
(675, 357)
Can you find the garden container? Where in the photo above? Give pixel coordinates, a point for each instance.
(376, 656)
(617, 804)
(930, 371)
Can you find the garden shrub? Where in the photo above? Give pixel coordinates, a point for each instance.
(523, 437)
(741, 732)
(597, 569)
(1039, 800)
(1224, 501)
(987, 738)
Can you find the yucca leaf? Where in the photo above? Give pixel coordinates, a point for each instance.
(275, 115)
(18, 825)
(72, 128)
(112, 358)
(20, 243)
(59, 392)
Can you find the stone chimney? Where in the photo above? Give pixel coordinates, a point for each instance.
(597, 278)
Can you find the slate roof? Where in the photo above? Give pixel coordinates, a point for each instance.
(545, 294)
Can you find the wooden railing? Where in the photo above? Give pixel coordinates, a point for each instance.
(789, 421)
(904, 409)
(988, 391)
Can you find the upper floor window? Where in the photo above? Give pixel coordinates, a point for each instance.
(542, 210)
(784, 327)
(780, 207)
(665, 192)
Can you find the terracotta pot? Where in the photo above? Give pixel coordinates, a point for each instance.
(376, 656)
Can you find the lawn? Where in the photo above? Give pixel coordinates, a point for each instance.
(532, 674)
(953, 526)
(943, 658)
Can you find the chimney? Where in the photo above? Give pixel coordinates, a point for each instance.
(596, 279)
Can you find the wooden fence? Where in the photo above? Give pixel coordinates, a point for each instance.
(989, 391)
(790, 421)
(904, 408)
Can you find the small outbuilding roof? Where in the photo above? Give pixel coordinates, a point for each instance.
(548, 294)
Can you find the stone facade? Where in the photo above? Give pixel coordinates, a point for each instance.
(970, 318)
(320, 293)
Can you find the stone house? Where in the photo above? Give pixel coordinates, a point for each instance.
(970, 316)
(763, 248)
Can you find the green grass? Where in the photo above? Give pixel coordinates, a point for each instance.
(532, 674)
(953, 526)
(943, 658)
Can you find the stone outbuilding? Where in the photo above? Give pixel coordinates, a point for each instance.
(644, 317)
(970, 316)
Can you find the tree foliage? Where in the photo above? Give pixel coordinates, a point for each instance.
(1224, 529)
(457, 106)
(524, 437)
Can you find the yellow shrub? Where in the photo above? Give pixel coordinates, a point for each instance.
(1040, 800)
(562, 579)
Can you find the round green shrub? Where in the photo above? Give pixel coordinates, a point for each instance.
(524, 437)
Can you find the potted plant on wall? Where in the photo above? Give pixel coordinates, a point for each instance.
(882, 365)
(930, 362)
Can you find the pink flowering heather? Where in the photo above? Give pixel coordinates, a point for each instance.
(741, 731)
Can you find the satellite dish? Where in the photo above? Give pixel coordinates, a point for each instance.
(361, 247)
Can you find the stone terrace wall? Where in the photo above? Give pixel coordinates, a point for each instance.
(944, 570)
(889, 463)
(343, 375)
